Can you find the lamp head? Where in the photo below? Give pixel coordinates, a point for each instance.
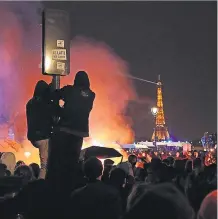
(154, 111)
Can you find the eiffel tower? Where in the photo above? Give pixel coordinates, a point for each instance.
(161, 131)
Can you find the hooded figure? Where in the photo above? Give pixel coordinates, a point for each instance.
(39, 122)
(78, 99)
(82, 80)
(73, 126)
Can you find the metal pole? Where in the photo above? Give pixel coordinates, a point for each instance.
(56, 82)
(56, 86)
(155, 133)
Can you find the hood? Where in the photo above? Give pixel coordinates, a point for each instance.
(82, 80)
(40, 88)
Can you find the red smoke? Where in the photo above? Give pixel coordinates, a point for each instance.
(106, 70)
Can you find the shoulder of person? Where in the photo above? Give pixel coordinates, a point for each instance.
(67, 87)
(77, 191)
(31, 102)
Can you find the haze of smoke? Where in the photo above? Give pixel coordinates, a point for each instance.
(113, 90)
(20, 72)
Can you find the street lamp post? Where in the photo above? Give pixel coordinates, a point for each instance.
(154, 111)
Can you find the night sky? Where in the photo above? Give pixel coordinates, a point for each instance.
(177, 40)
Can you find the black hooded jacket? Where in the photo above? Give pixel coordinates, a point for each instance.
(78, 104)
(39, 113)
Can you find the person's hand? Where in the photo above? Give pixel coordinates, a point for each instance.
(61, 103)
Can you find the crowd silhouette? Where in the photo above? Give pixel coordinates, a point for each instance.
(65, 187)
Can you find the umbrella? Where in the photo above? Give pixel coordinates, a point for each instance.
(101, 152)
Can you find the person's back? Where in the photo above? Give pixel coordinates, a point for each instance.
(36, 169)
(117, 180)
(78, 102)
(96, 199)
(67, 138)
(38, 112)
(162, 201)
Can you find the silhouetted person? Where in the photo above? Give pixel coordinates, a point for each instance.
(25, 172)
(118, 180)
(19, 163)
(95, 200)
(36, 169)
(158, 202)
(39, 121)
(108, 164)
(129, 166)
(68, 136)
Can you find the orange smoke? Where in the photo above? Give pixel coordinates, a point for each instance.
(113, 90)
(107, 72)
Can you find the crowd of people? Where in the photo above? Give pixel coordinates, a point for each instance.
(65, 187)
(168, 188)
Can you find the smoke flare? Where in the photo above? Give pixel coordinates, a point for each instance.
(20, 58)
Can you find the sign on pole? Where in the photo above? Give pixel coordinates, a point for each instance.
(56, 42)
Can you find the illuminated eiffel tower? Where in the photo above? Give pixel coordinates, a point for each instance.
(161, 131)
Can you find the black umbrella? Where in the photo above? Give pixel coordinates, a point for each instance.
(100, 152)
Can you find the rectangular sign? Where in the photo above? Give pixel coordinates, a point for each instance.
(59, 54)
(56, 43)
(60, 43)
(61, 66)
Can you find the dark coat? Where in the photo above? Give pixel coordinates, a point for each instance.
(78, 104)
(96, 200)
(39, 111)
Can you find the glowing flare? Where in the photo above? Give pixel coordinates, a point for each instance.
(27, 154)
(106, 70)
(97, 143)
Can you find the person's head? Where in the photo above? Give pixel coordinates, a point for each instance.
(25, 172)
(82, 80)
(9, 160)
(19, 163)
(40, 89)
(117, 177)
(137, 192)
(93, 168)
(160, 201)
(132, 159)
(208, 209)
(36, 169)
(155, 164)
(108, 163)
(177, 154)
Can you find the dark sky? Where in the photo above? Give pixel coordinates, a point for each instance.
(177, 40)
